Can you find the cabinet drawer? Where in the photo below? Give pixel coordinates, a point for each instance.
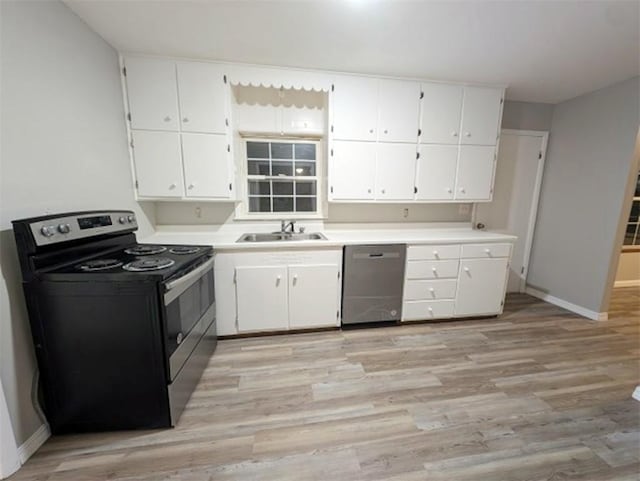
(485, 250)
(433, 252)
(419, 310)
(418, 290)
(432, 269)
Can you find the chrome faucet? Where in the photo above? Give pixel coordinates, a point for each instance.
(284, 225)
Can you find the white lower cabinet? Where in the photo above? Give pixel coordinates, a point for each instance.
(481, 286)
(261, 298)
(274, 290)
(422, 310)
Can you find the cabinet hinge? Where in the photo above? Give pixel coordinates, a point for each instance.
(417, 155)
(333, 87)
(228, 148)
(539, 155)
(502, 303)
(124, 71)
(332, 189)
(501, 101)
(332, 129)
(224, 78)
(419, 132)
(129, 116)
(338, 274)
(131, 143)
(230, 186)
(522, 270)
(137, 185)
(338, 314)
(331, 152)
(226, 122)
(415, 190)
(421, 95)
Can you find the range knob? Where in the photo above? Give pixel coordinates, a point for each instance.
(64, 228)
(47, 231)
(131, 218)
(122, 220)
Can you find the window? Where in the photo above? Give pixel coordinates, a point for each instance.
(282, 176)
(632, 234)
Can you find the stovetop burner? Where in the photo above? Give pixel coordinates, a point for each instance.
(151, 264)
(184, 250)
(145, 250)
(99, 265)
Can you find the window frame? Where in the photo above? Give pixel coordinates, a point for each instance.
(636, 245)
(242, 209)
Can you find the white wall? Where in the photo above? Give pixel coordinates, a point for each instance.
(63, 148)
(628, 272)
(587, 175)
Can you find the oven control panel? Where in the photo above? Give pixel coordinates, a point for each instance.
(81, 226)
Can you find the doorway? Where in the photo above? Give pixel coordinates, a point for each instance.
(515, 197)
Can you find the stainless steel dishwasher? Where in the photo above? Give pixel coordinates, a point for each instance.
(372, 286)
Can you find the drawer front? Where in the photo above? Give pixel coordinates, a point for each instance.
(433, 252)
(422, 310)
(419, 290)
(432, 269)
(486, 251)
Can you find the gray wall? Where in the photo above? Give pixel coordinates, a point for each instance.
(589, 162)
(63, 147)
(526, 116)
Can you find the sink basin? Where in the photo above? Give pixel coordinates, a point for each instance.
(279, 237)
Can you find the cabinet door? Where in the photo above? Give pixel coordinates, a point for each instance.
(203, 97)
(352, 170)
(481, 286)
(355, 108)
(313, 296)
(436, 173)
(398, 111)
(206, 165)
(440, 115)
(152, 94)
(395, 171)
(261, 294)
(158, 164)
(481, 110)
(475, 172)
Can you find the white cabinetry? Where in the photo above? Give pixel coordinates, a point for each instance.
(355, 108)
(459, 135)
(267, 290)
(352, 167)
(481, 286)
(178, 122)
(398, 111)
(395, 171)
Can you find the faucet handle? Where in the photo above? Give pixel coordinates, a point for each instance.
(301, 230)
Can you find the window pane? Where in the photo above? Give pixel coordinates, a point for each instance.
(258, 150)
(630, 234)
(281, 151)
(258, 167)
(259, 187)
(638, 187)
(635, 211)
(305, 168)
(282, 188)
(306, 188)
(306, 151)
(305, 204)
(283, 204)
(282, 168)
(259, 204)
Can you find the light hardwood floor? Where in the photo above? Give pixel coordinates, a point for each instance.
(537, 394)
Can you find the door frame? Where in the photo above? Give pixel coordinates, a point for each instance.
(533, 214)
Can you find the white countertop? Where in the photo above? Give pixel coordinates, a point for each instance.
(226, 240)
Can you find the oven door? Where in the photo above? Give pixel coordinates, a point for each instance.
(189, 311)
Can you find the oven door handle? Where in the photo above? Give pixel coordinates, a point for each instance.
(183, 282)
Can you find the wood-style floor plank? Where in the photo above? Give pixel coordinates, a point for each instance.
(536, 394)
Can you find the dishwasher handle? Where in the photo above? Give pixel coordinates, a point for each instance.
(376, 255)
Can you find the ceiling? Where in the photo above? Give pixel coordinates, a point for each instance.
(546, 51)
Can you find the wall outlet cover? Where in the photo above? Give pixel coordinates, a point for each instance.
(464, 209)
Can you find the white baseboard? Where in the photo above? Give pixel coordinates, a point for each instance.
(631, 283)
(569, 306)
(636, 393)
(31, 445)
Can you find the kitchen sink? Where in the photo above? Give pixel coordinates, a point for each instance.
(280, 237)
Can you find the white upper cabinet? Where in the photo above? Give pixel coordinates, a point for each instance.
(355, 108)
(474, 180)
(203, 97)
(395, 171)
(481, 110)
(152, 94)
(436, 172)
(398, 111)
(441, 113)
(352, 167)
(157, 164)
(206, 166)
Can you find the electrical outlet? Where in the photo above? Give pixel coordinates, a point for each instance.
(405, 212)
(198, 213)
(464, 209)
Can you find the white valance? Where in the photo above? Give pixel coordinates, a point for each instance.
(279, 78)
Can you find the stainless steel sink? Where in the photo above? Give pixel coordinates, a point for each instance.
(280, 237)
